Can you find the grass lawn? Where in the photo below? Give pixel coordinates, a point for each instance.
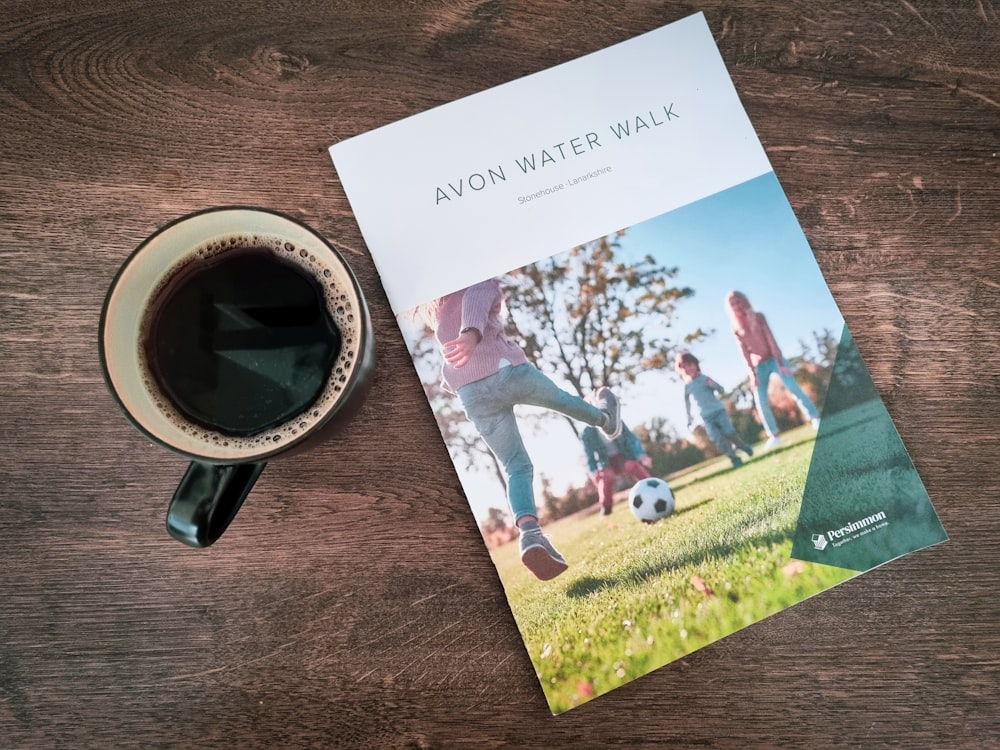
(638, 596)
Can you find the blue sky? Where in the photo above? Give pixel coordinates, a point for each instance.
(744, 238)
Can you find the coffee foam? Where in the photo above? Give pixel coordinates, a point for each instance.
(342, 310)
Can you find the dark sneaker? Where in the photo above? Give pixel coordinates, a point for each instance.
(607, 402)
(747, 449)
(539, 556)
(737, 462)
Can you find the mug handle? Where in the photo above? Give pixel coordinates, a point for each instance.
(207, 499)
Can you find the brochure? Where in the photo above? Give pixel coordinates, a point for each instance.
(629, 348)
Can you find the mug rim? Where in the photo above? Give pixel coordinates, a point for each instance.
(355, 382)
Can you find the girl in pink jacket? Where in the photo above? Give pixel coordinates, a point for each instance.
(764, 359)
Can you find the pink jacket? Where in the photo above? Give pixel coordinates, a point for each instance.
(476, 307)
(757, 342)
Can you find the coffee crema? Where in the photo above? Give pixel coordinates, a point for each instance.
(248, 340)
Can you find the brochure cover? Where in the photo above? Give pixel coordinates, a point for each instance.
(658, 416)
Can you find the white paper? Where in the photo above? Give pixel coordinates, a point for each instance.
(458, 183)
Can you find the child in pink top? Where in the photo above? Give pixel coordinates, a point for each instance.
(764, 359)
(491, 374)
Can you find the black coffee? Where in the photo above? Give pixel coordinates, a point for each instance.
(242, 342)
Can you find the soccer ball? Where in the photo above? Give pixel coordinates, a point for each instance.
(651, 499)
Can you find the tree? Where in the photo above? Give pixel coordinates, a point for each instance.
(589, 318)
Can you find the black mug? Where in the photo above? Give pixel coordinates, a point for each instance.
(234, 336)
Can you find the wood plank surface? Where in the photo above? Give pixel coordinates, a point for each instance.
(352, 603)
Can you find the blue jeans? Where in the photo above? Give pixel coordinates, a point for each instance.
(490, 402)
(720, 431)
(765, 370)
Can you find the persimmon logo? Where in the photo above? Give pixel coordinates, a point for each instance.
(855, 526)
(850, 532)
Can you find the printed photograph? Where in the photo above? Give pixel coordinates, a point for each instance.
(634, 422)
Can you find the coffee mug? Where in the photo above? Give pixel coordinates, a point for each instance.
(234, 336)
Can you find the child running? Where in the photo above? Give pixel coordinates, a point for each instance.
(702, 390)
(491, 374)
(607, 459)
(764, 359)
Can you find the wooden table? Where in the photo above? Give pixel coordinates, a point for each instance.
(352, 603)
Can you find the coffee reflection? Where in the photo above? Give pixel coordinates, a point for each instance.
(247, 341)
(241, 341)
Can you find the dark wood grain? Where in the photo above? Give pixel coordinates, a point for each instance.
(352, 603)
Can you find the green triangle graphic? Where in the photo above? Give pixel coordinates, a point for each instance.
(863, 502)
